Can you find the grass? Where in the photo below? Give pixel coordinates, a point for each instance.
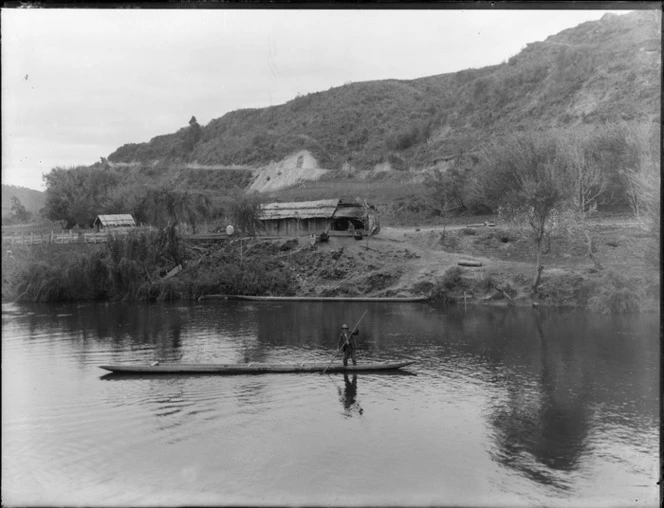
(133, 268)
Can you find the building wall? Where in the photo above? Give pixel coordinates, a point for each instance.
(289, 227)
(113, 229)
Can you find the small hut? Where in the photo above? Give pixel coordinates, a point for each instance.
(311, 217)
(115, 222)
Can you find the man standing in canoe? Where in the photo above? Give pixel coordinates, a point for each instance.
(348, 344)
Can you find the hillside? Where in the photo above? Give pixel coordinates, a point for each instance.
(31, 199)
(598, 72)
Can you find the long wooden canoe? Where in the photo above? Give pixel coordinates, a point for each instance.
(378, 299)
(250, 368)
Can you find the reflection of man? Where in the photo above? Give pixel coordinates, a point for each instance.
(348, 396)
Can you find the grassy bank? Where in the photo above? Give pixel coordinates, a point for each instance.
(138, 267)
(622, 276)
(397, 262)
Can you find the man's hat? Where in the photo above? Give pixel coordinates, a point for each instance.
(344, 326)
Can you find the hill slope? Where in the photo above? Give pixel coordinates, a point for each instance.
(601, 71)
(32, 200)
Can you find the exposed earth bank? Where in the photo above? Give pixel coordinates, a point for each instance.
(403, 262)
(398, 262)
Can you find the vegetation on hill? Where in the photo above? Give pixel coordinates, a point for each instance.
(567, 127)
(598, 72)
(594, 88)
(31, 200)
(154, 194)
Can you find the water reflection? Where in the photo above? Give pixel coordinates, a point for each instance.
(542, 428)
(566, 400)
(348, 397)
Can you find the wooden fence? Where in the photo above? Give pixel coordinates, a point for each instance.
(45, 237)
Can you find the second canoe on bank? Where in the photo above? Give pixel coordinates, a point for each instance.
(396, 299)
(251, 368)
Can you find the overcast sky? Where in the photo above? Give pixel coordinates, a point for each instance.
(79, 83)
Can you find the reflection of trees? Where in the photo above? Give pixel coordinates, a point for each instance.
(348, 397)
(119, 325)
(543, 425)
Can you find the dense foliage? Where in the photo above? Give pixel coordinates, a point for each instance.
(596, 73)
(136, 267)
(155, 195)
(592, 90)
(244, 210)
(20, 214)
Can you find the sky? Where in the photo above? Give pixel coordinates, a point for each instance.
(79, 83)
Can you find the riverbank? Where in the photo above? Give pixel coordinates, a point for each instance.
(399, 262)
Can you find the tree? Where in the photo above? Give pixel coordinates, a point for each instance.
(75, 196)
(192, 135)
(642, 176)
(164, 207)
(446, 189)
(586, 174)
(245, 211)
(525, 183)
(370, 219)
(19, 213)
(643, 181)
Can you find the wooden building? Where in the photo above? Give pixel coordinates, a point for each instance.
(311, 217)
(115, 222)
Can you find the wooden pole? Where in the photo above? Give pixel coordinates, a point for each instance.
(598, 265)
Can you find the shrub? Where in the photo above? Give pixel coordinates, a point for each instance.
(615, 294)
(617, 301)
(451, 277)
(561, 289)
(486, 282)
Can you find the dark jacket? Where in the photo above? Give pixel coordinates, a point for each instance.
(352, 341)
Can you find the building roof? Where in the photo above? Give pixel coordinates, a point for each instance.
(116, 220)
(322, 209)
(349, 211)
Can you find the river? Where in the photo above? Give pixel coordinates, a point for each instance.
(504, 407)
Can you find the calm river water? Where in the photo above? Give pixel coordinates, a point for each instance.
(507, 407)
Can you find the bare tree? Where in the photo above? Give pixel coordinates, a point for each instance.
(587, 178)
(525, 183)
(371, 222)
(643, 178)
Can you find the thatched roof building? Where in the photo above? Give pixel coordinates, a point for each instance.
(114, 221)
(311, 217)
